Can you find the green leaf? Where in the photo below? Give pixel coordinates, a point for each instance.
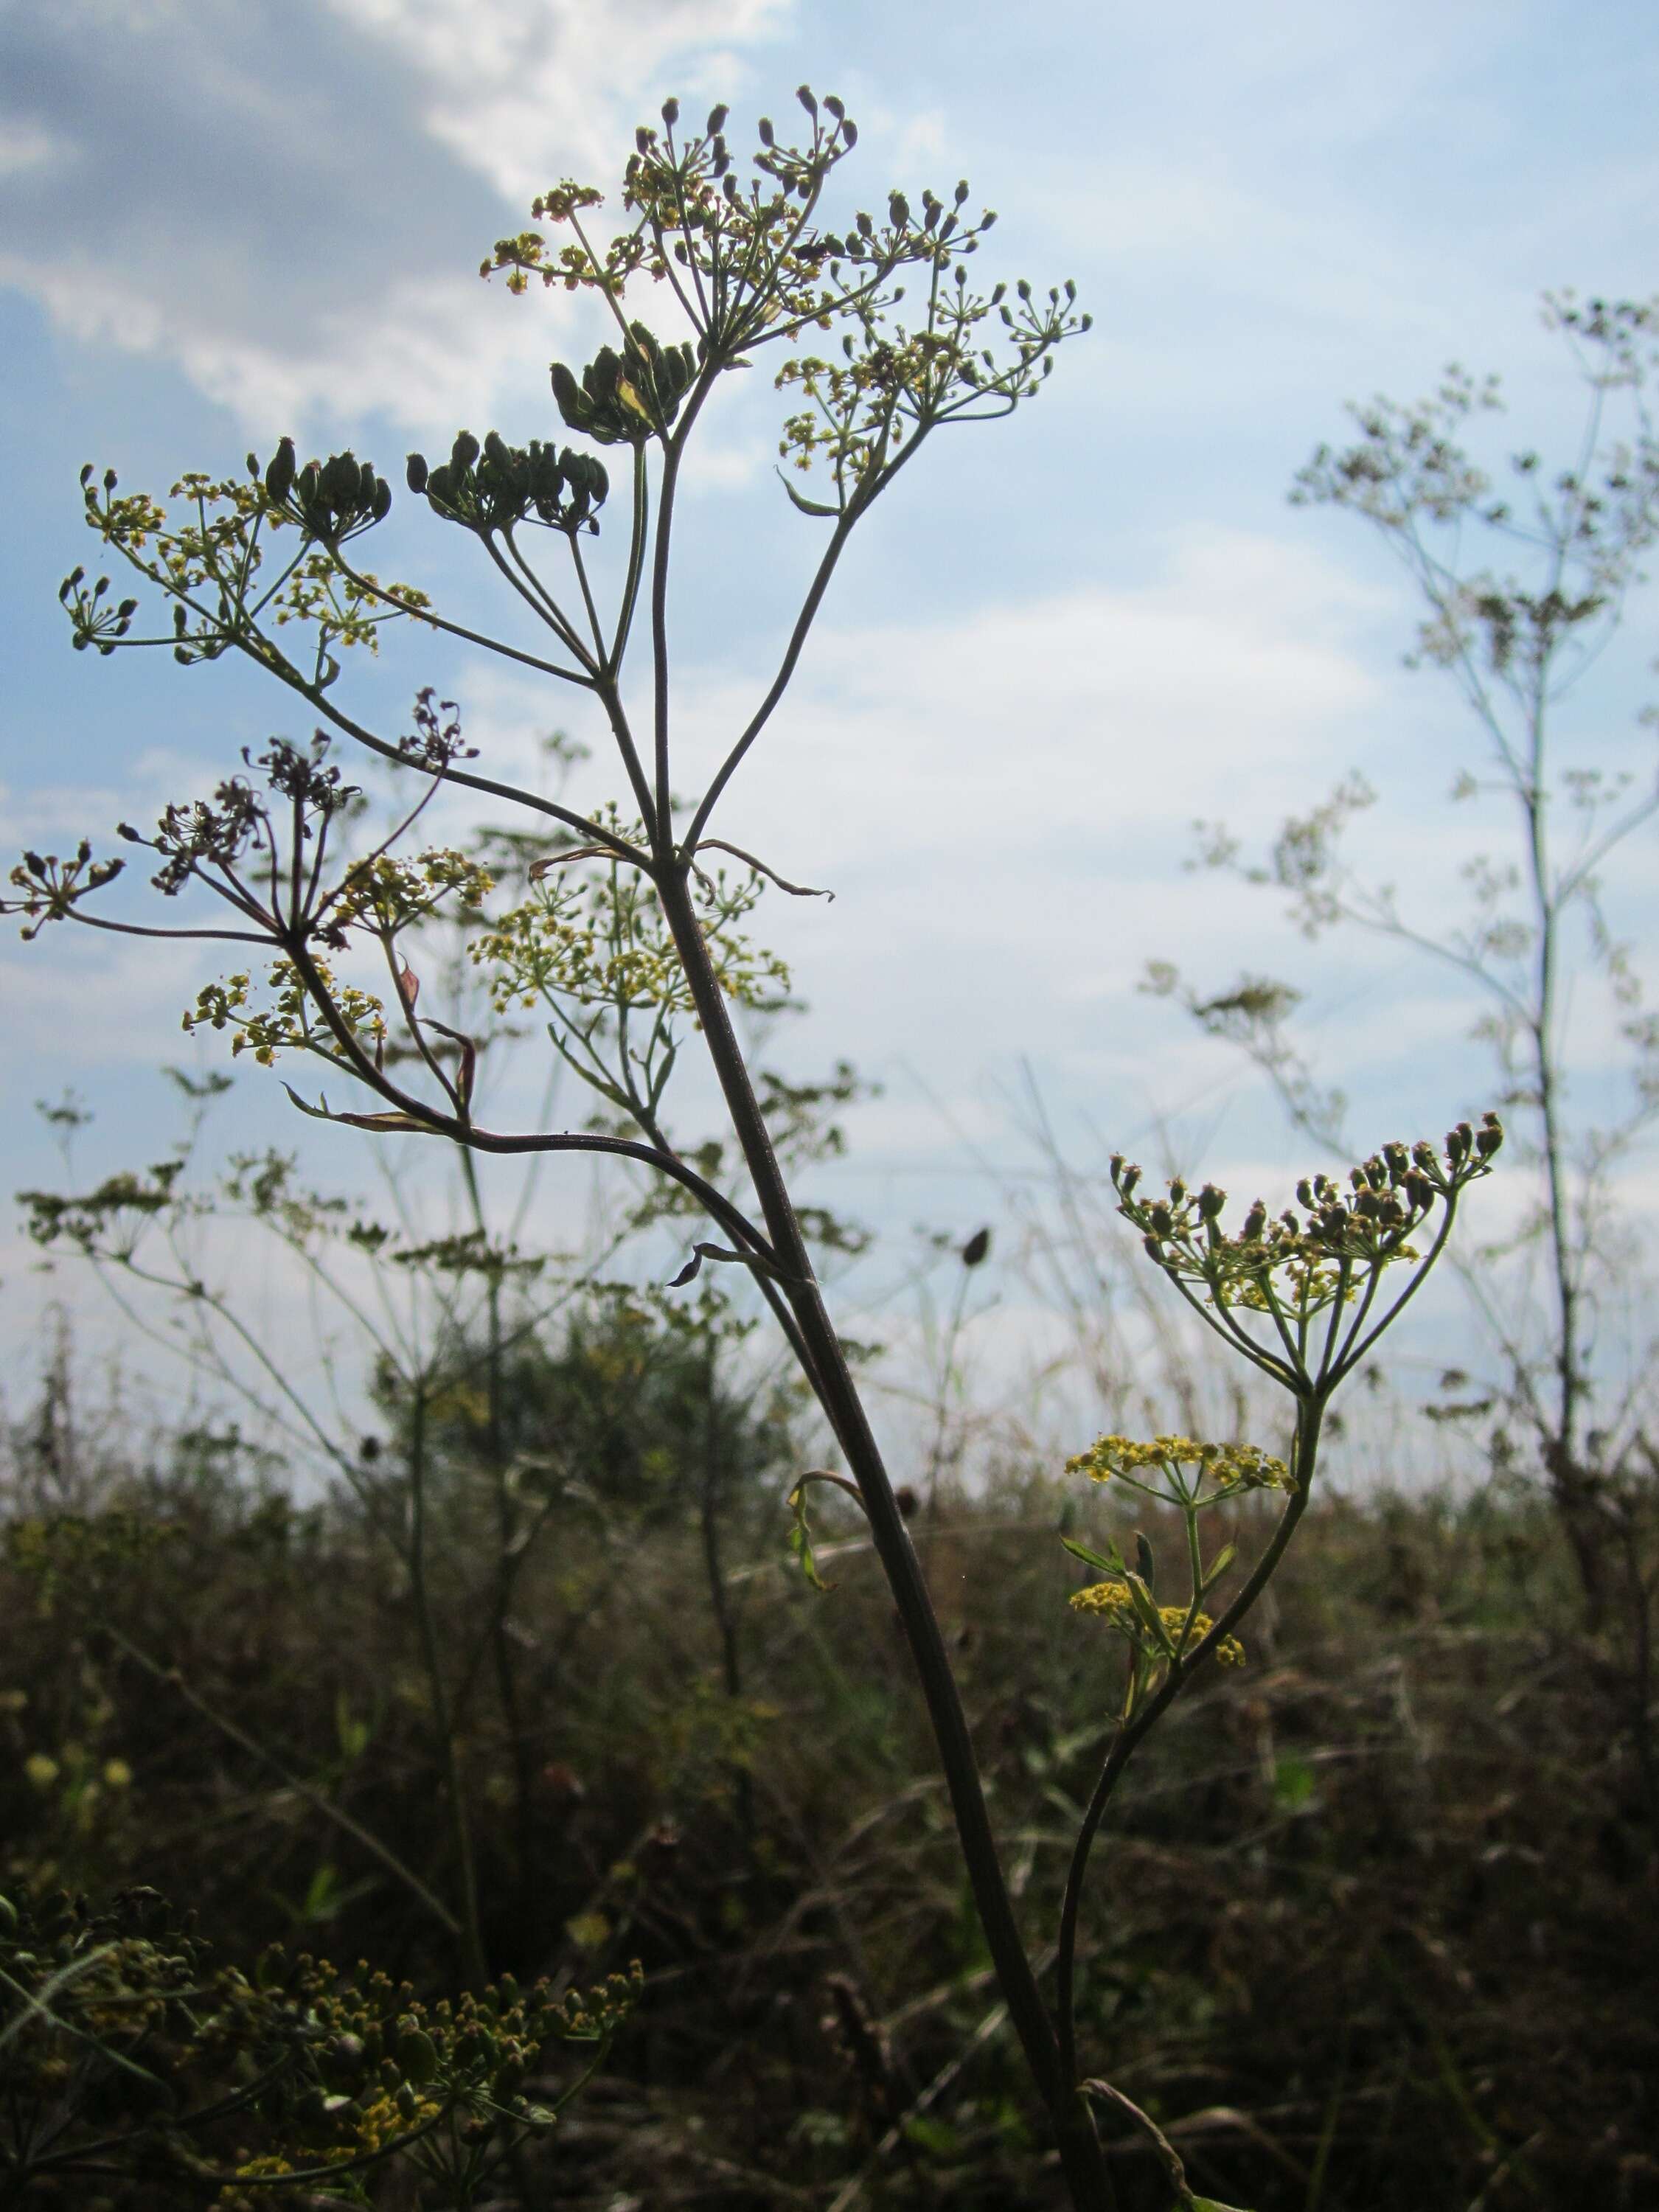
(800, 1539)
(1220, 1565)
(808, 505)
(1095, 1559)
(1147, 1612)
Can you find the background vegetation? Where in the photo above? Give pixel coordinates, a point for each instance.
(1376, 1917)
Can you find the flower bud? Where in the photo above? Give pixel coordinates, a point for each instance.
(717, 120)
(415, 472)
(671, 111)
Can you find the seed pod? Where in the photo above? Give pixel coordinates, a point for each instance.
(717, 120)
(279, 471)
(975, 1251)
(671, 111)
(340, 481)
(345, 2059)
(464, 451)
(804, 94)
(417, 2055)
(763, 132)
(415, 472)
(567, 393)
(382, 506)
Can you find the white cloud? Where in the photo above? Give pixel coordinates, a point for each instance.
(28, 145)
(527, 95)
(307, 251)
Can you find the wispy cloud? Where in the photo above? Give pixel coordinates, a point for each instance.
(289, 198)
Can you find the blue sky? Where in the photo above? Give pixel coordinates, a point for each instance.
(1058, 643)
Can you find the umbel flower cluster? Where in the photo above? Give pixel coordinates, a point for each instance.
(124, 2047)
(1298, 1294)
(1192, 1477)
(1322, 1261)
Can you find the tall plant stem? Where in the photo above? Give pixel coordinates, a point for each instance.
(1079, 2148)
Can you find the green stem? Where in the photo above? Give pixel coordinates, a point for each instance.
(1304, 1457)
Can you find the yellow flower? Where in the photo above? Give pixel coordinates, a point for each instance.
(1230, 1467)
(1101, 1597)
(118, 1775)
(41, 1771)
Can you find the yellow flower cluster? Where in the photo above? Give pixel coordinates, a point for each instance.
(1180, 1634)
(389, 893)
(1230, 1467)
(291, 1023)
(603, 940)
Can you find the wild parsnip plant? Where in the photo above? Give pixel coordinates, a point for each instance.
(634, 928)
